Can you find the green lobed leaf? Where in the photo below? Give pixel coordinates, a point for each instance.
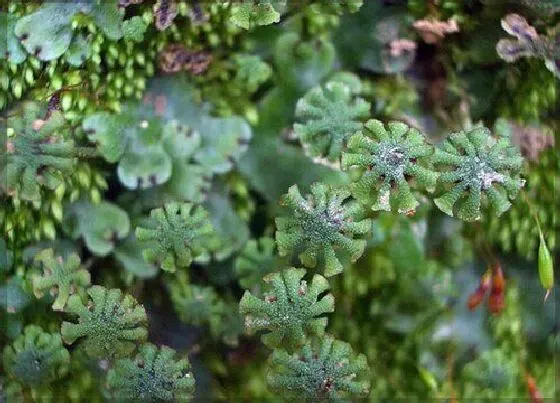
(60, 277)
(37, 154)
(153, 375)
(109, 325)
(175, 235)
(291, 309)
(328, 115)
(391, 163)
(322, 226)
(327, 370)
(36, 357)
(477, 169)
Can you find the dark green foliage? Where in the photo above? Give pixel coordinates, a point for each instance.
(36, 357)
(60, 277)
(196, 305)
(252, 99)
(251, 71)
(327, 371)
(175, 235)
(154, 375)
(477, 168)
(321, 226)
(101, 225)
(389, 159)
(491, 371)
(376, 39)
(291, 309)
(134, 29)
(37, 154)
(329, 115)
(256, 260)
(109, 325)
(302, 64)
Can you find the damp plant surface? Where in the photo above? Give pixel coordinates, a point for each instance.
(279, 200)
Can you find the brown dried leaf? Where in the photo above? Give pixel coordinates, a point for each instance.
(175, 58)
(433, 31)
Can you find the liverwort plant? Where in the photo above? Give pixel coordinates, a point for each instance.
(36, 357)
(389, 161)
(154, 375)
(328, 115)
(290, 310)
(37, 153)
(60, 277)
(109, 324)
(477, 169)
(324, 371)
(321, 227)
(175, 235)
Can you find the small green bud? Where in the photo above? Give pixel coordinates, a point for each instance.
(4, 80)
(56, 82)
(128, 90)
(29, 79)
(74, 195)
(252, 115)
(113, 51)
(84, 179)
(73, 78)
(66, 101)
(100, 181)
(129, 72)
(141, 59)
(48, 229)
(82, 102)
(140, 83)
(546, 266)
(428, 378)
(95, 196)
(56, 208)
(17, 88)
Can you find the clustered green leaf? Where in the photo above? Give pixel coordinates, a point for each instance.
(250, 13)
(322, 226)
(389, 160)
(329, 114)
(36, 153)
(109, 325)
(291, 310)
(36, 357)
(477, 168)
(60, 277)
(154, 375)
(326, 371)
(175, 235)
